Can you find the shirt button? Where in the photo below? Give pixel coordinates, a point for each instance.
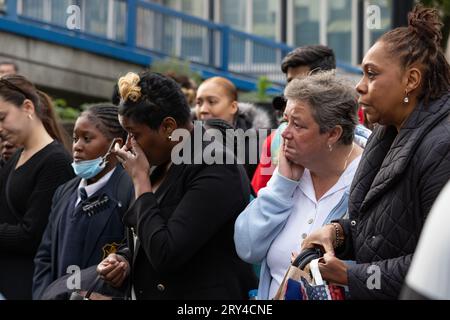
(304, 236)
(161, 287)
(310, 221)
(353, 223)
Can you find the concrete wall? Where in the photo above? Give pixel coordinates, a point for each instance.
(64, 69)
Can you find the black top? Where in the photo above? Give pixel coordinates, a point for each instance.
(185, 248)
(398, 179)
(23, 222)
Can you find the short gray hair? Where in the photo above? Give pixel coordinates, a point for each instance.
(333, 102)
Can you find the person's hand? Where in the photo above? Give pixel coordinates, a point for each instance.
(286, 167)
(114, 270)
(132, 158)
(324, 238)
(333, 270)
(135, 163)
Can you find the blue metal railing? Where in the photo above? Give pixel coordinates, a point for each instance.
(154, 31)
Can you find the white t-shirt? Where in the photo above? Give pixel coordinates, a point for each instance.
(429, 274)
(308, 215)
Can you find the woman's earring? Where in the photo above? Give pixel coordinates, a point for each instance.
(169, 138)
(30, 117)
(406, 100)
(330, 147)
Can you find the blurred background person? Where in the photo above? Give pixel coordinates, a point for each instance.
(27, 182)
(75, 234)
(318, 160)
(217, 98)
(8, 67)
(405, 89)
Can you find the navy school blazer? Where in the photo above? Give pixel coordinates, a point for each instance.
(105, 231)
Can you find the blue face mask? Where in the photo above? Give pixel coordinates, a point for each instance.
(89, 168)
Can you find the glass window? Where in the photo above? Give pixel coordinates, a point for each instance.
(234, 13)
(96, 16)
(59, 11)
(306, 22)
(120, 20)
(2, 5)
(265, 18)
(33, 8)
(386, 20)
(339, 28)
(194, 7)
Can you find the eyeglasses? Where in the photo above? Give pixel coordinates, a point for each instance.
(13, 87)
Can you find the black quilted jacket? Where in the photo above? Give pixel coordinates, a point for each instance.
(398, 179)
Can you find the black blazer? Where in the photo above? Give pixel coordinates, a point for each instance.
(105, 229)
(185, 247)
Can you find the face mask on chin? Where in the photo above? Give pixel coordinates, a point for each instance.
(90, 168)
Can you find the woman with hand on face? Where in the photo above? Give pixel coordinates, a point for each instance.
(405, 89)
(27, 182)
(85, 222)
(180, 242)
(311, 184)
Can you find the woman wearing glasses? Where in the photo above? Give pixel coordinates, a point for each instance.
(27, 182)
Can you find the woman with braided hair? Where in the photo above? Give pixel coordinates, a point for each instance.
(85, 223)
(405, 89)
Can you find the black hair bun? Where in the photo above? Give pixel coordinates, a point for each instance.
(425, 23)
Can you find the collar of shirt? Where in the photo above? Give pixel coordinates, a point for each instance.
(93, 188)
(307, 187)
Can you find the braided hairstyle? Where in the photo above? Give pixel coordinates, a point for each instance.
(148, 98)
(420, 43)
(105, 116)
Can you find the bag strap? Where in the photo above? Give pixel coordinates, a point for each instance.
(315, 272)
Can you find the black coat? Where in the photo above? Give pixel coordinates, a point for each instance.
(185, 230)
(398, 179)
(105, 228)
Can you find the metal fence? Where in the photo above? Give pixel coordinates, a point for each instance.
(142, 25)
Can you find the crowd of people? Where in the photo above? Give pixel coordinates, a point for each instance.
(137, 224)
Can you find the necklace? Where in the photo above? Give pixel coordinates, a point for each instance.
(348, 157)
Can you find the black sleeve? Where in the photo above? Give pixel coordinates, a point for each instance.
(26, 236)
(213, 197)
(346, 251)
(42, 277)
(435, 173)
(378, 280)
